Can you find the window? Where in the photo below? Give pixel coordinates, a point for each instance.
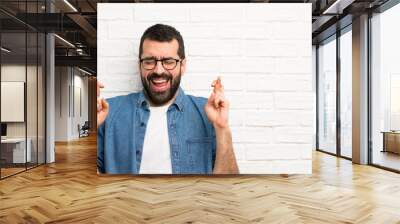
(346, 93)
(327, 96)
(385, 89)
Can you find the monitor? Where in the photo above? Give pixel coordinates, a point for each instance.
(3, 129)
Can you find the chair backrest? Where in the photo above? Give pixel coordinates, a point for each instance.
(86, 125)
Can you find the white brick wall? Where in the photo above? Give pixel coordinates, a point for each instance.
(263, 53)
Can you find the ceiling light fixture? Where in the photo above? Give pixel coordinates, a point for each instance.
(5, 50)
(337, 7)
(84, 71)
(70, 5)
(64, 40)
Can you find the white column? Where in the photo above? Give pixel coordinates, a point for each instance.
(360, 90)
(50, 100)
(50, 92)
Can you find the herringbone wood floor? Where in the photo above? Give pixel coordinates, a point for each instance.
(70, 191)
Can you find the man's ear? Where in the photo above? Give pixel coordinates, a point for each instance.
(183, 66)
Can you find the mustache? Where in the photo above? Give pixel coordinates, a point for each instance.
(154, 75)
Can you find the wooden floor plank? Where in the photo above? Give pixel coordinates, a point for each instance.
(70, 191)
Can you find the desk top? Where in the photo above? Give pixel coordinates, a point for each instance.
(13, 140)
(391, 132)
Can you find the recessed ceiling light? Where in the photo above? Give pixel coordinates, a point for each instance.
(5, 50)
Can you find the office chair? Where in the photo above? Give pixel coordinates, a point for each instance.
(84, 130)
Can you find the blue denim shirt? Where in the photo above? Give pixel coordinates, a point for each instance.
(191, 136)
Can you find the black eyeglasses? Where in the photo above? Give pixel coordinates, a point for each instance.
(167, 63)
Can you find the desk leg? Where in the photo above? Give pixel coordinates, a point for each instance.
(384, 143)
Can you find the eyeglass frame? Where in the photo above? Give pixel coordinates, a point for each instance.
(162, 62)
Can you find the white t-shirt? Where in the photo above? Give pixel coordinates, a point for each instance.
(156, 155)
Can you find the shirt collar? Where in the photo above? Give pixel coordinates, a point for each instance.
(179, 100)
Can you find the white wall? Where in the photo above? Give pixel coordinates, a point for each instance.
(263, 53)
(81, 103)
(61, 103)
(17, 73)
(68, 81)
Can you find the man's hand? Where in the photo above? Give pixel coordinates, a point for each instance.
(102, 106)
(217, 106)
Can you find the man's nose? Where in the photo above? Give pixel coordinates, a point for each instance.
(159, 69)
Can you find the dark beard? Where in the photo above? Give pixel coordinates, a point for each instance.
(160, 98)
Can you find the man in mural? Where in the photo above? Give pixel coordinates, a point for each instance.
(161, 130)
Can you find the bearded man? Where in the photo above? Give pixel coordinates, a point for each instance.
(161, 130)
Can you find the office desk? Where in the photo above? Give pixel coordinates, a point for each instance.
(16, 147)
(391, 141)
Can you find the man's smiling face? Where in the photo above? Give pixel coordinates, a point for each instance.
(161, 80)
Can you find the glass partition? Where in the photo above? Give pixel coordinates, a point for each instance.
(327, 96)
(13, 90)
(22, 78)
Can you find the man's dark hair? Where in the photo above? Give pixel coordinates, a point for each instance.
(163, 33)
